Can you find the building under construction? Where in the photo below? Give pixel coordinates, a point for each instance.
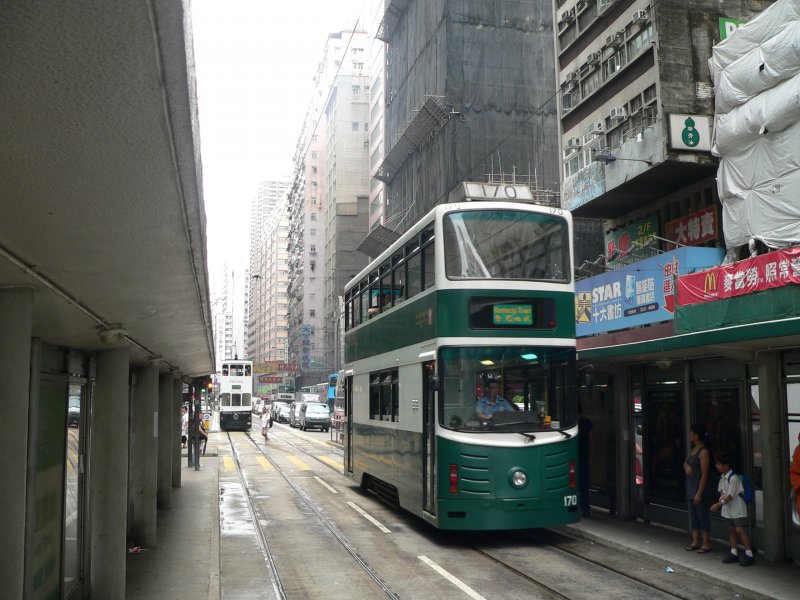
(469, 93)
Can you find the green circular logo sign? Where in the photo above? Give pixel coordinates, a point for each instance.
(690, 135)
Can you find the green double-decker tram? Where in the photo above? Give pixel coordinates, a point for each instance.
(459, 382)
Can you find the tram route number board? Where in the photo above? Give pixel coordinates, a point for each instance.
(512, 314)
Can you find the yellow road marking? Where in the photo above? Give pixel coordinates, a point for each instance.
(229, 464)
(265, 463)
(298, 463)
(329, 461)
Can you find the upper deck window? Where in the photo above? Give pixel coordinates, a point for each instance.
(506, 244)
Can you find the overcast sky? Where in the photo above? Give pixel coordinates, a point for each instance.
(255, 62)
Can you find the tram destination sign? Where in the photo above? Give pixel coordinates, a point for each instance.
(512, 314)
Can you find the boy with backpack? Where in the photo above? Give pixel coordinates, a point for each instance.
(734, 510)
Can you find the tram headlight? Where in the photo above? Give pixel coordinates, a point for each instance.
(519, 479)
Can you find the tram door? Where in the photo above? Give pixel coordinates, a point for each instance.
(348, 416)
(429, 437)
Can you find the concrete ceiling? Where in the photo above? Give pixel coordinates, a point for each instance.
(101, 206)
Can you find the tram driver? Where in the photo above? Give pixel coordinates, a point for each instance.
(491, 402)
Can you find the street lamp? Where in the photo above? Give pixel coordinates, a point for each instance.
(605, 156)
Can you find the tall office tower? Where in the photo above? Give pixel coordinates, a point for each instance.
(328, 203)
(268, 266)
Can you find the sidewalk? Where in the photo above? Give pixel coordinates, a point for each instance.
(764, 580)
(185, 562)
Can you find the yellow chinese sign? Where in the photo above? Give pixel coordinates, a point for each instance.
(512, 314)
(583, 307)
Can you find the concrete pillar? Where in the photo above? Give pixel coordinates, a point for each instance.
(144, 457)
(16, 324)
(177, 401)
(108, 485)
(166, 440)
(774, 456)
(622, 424)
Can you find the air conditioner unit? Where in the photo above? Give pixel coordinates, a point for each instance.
(580, 5)
(573, 144)
(568, 16)
(616, 40)
(617, 113)
(593, 58)
(571, 76)
(596, 127)
(604, 5)
(588, 138)
(640, 16)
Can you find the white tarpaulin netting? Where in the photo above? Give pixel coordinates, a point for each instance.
(756, 74)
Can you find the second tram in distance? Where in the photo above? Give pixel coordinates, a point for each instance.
(476, 299)
(236, 395)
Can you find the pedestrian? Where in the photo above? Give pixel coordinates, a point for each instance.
(202, 434)
(794, 475)
(734, 511)
(698, 474)
(585, 439)
(184, 426)
(265, 423)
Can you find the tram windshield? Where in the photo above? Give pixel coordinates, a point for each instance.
(507, 389)
(506, 244)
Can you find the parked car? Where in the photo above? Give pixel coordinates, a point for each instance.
(283, 413)
(276, 410)
(316, 415)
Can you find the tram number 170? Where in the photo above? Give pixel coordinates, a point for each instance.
(571, 500)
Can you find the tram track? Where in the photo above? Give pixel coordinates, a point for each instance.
(321, 517)
(554, 546)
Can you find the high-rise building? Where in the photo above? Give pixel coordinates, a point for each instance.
(328, 203)
(377, 71)
(268, 271)
(227, 314)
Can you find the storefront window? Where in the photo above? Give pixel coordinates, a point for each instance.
(755, 428)
(664, 444)
(718, 410)
(72, 470)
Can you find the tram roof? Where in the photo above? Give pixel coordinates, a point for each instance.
(101, 206)
(439, 210)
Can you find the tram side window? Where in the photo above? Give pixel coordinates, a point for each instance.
(247, 371)
(429, 266)
(364, 305)
(398, 277)
(245, 399)
(384, 395)
(225, 399)
(224, 370)
(414, 284)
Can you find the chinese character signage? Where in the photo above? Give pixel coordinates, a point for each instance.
(512, 314)
(274, 366)
(637, 294)
(763, 272)
(690, 132)
(694, 229)
(629, 244)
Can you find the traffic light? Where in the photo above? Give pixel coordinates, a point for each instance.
(210, 386)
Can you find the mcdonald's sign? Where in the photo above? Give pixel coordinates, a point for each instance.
(767, 271)
(710, 282)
